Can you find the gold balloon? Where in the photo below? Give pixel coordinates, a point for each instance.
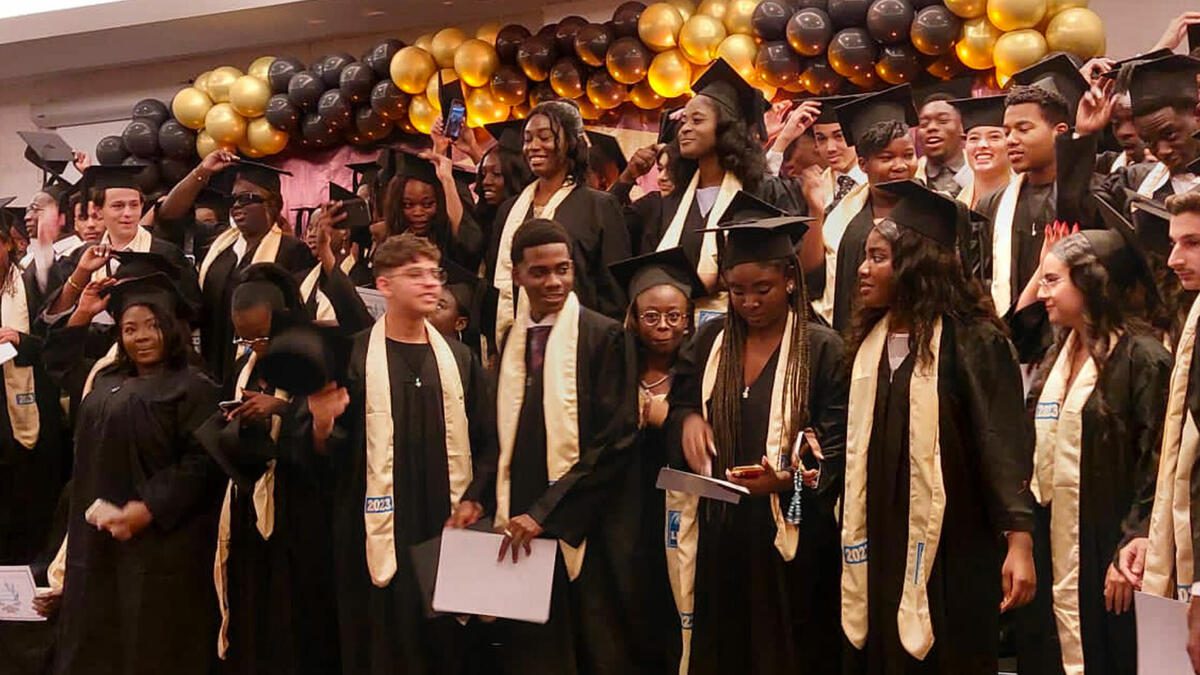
(219, 82)
(670, 74)
(686, 8)
(425, 42)
(265, 138)
(411, 69)
(1017, 50)
(475, 62)
(1009, 15)
(740, 51)
(1078, 31)
(483, 108)
(201, 81)
(739, 17)
(643, 96)
(249, 96)
(659, 26)
(521, 111)
(205, 145)
(190, 106)
(1054, 7)
(445, 43)
(247, 150)
(587, 110)
(967, 9)
(433, 90)
(224, 124)
(260, 67)
(975, 45)
(714, 8)
(487, 32)
(421, 114)
(700, 38)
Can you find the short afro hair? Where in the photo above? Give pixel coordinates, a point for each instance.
(1054, 107)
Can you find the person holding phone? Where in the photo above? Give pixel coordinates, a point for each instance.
(423, 198)
(746, 391)
(328, 289)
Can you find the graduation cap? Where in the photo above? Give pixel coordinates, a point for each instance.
(409, 165)
(985, 111)
(1164, 82)
(8, 221)
(1119, 251)
(926, 212)
(606, 147)
(363, 173)
(1059, 74)
(339, 193)
(859, 115)
(211, 197)
(264, 176)
(243, 462)
(1151, 222)
(829, 106)
(138, 264)
(1113, 72)
(303, 214)
(303, 358)
(462, 284)
(669, 267)
(745, 207)
(102, 177)
(155, 289)
(959, 88)
(760, 240)
(262, 280)
(668, 128)
(723, 84)
(47, 151)
(509, 135)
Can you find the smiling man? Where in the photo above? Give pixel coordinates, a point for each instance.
(940, 135)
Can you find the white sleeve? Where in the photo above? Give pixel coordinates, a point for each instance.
(774, 162)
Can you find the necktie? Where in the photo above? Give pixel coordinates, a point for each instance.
(538, 336)
(844, 185)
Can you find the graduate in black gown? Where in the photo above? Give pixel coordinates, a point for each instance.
(564, 448)
(274, 561)
(196, 209)
(556, 152)
(753, 391)
(435, 467)
(503, 173)
(423, 198)
(648, 207)
(925, 506)
(138, 591)
(1101, 393)
(329, 290)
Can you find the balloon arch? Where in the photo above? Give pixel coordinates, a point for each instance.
(642, 59)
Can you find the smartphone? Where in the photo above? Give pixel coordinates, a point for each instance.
(747, 471)
(228, 406)
(455, 119)
(357, 214)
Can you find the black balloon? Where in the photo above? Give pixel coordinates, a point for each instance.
(173, 170)
(549, 31)
(379, 59)
(888, 21)
(810, 31)
(334, 109)
(852, 52)
(770, 19)
(567, 31)
(316, 132)
(820, 79)
(922, 4)
(147, 179)
(848, 13)
(141, 139)
(935, 30)
(152, 110)
(508, 40)
(625, 19)
(280, 73)
(356, 82)
(822, 5)
(282, 113)
(176, 141)
(111, 150)
(898, 64)
(536, 55)
(592, 42)
(371, 125)
(388, 101)
(540, 93)
(305, 90)
(332, 67)
(867, 81)
(777, 64)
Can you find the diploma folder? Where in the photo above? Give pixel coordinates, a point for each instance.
(701, 486)
(471, 581)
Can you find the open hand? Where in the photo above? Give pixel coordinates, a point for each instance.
(1096, 107)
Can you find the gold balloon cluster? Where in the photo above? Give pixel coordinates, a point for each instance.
(1012, 34)
(454, 55)
(226, 106)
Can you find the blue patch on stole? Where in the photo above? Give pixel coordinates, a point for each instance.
(920, 559)
(855, 554)
(1046, 410)
(26, 399)
(673, 529)
(379, 504)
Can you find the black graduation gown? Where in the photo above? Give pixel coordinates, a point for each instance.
(586, 633)
(596, 225)
(986, 448)
(648, 209)
(352, 314)
(146, 605)
(745, 592)
(385, 631)
(188, 286)
(1122, 435)
(467, 248)
(1076, 179)
(1037, 206)
(852, 251)
(216, 328)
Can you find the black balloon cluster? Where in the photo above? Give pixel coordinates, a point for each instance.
(154, 140)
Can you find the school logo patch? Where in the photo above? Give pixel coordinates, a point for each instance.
(672, 529)
(1046, 410)
(26, 399)
(379, 504)
(855, 554)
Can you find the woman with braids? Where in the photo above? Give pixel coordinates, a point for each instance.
(1100, 394)
(758, 399)
(719, 154)
(937, 458)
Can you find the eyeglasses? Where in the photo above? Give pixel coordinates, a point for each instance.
(1049, 281)
(251, 342)
(420, 273)
(651, 318)
(244, 199)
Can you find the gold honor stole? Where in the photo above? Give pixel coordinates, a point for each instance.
(503, 281)
(264, 510)
(1158, 177)
(139, 244)
(560, 408)
(833, 229)
(926, 494)
(266, 251)
(21, 397)
(1002, 238)
(1059, 423)
(1170, 554)
(309, 286)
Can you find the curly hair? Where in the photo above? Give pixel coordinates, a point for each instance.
(1054, 107)
(927, 282)
(567, 126)
(736, 150)
(878, 136)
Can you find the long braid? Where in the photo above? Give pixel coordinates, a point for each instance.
(796, 375)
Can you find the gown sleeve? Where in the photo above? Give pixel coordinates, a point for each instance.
(1030, 328)
(614, 247)
(829, 394)
(686, 396)
(467, 248)
(1151, 370)
(347, 303)
(481, 411)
